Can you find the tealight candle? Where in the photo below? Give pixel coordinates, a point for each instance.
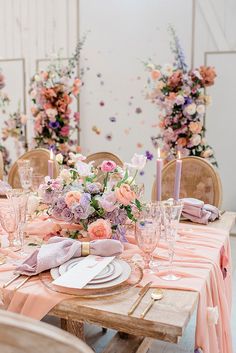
(178, 170)
(51, 164)
(159, 166)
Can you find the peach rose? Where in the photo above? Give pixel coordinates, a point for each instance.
(72, 197)
(182, 141)
(124, 194)
(100, 229)
(195, 127)
(155, 74)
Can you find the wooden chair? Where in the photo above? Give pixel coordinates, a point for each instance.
(199, 180)
(99, 157)
(19, 334)
(1, 166)
(38, 160)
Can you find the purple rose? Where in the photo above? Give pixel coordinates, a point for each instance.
(60, 203)
(56, 212)
(67, 215)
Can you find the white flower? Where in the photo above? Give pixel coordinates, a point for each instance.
(37, 78)
(201, 109)
(191, 109)
(208, 100)
(197, 74)
(33, 203)
(195, 139)
(59, 158)
(138, 161)
(212, 315)
(84, 169)
(167, 70)
(150, 66)
(75, 157)
(51, 113)
(65, 176)
(179, 100)
(207, 153)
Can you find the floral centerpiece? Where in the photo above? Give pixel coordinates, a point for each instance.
(52, 92)
(179, 94)
(100, 200)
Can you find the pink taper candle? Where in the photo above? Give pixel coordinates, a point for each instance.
(178, 170)
(158, 175)
(51, 164)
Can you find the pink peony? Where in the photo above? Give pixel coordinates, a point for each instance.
(77, 116)
(65, 130)
(125, 195)
(100, 229)
(108, 166)
(72, 197)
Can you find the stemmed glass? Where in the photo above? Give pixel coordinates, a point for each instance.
(171, 211)
(147, 236)
(9, 221)
(37, 180)
(19, 199)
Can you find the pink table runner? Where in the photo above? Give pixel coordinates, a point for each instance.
(201, 254)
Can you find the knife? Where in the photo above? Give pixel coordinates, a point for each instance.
(141, 294)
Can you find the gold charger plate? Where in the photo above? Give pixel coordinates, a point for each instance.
(134, 279)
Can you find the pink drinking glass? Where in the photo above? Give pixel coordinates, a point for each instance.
(9, 221)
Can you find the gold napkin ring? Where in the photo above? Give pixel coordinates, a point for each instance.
(85, 247)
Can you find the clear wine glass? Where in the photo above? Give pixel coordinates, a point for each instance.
(26, 177)
(9, 221)
(147, 237)
(19, 199)
(37, 180)
(171, 211)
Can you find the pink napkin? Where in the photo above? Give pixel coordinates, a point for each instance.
(59, 250)
(196, 211)
(4, 186)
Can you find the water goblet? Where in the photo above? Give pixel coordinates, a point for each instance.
(147, 237)
(37, 180)
(19, 199)
(26, 178)
(171, 211)
(9, 221)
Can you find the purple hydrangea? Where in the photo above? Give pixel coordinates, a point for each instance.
(118, 216)
(93, 188)
(119, 234)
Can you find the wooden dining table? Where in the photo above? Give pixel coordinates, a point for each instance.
(167, 322)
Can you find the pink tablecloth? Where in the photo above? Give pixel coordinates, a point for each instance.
(201, 252)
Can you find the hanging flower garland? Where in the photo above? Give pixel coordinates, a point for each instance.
(52, 93)
(179, 94)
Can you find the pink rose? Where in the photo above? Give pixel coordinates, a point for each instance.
(100, 229)
(65, 130)
(72, 197)
(108, 166)
(195, 127)
(125, 195)
(76, 116)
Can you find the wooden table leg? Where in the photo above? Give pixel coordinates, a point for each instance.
(124, 343)
(76, 328)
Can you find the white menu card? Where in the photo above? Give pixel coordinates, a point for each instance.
(82, 273)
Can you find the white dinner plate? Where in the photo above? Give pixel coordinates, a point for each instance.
(106, 272)
(119, 264)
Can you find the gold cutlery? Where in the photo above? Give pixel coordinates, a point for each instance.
(157, 294)
(19, 285)
(2, 259)
(10, 281)
(141, 294)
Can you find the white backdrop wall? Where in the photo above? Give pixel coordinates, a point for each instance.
(123, 33)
